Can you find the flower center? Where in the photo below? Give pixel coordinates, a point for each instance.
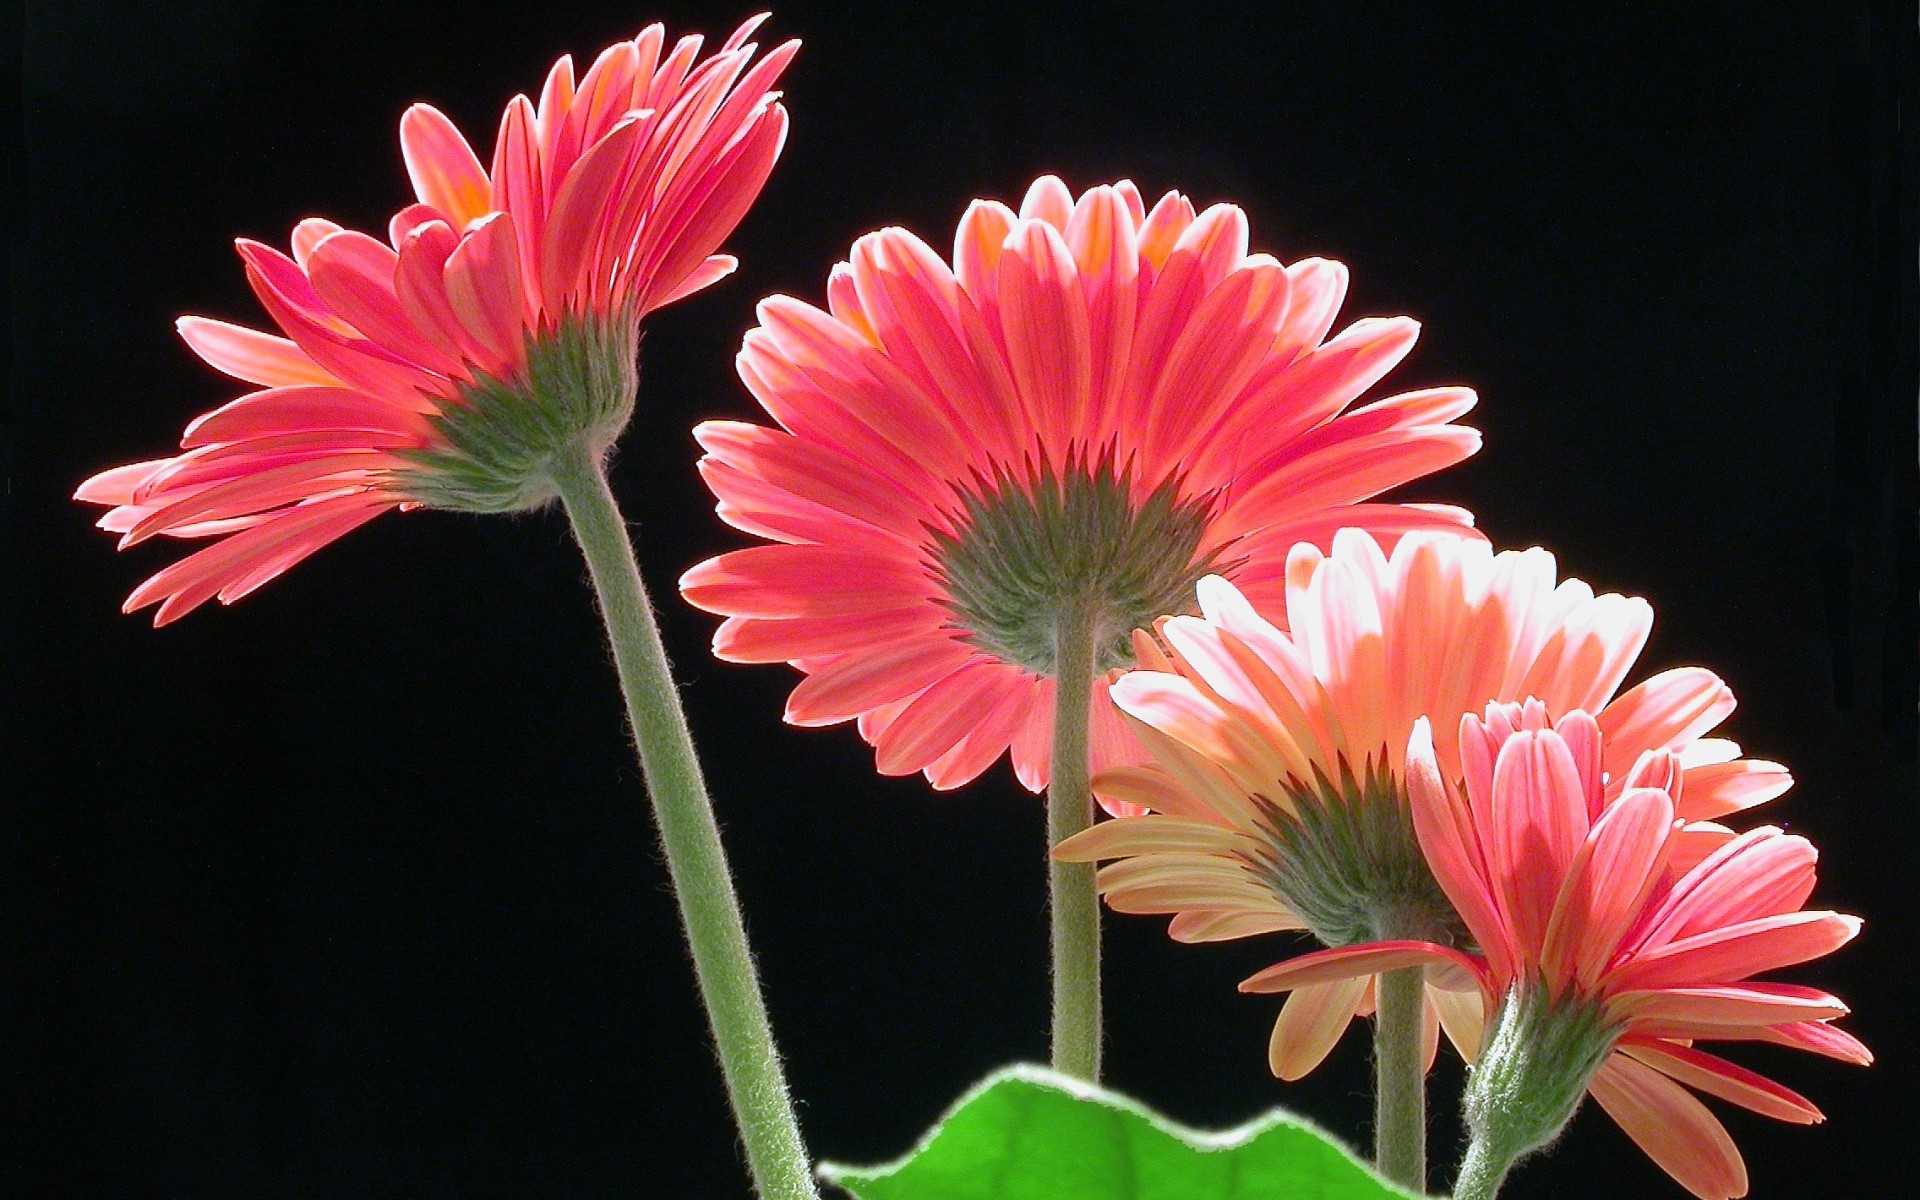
(1029, 550)
(1347, 861)
(499, 437)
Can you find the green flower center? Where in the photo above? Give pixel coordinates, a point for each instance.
(1029, 550)
(1348, 862)
(500, 436)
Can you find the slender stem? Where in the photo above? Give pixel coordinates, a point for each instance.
(1070, 895)
(1482, 1171)
(696, 861)
(1400, 1078)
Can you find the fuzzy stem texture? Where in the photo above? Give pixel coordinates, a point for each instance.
(1529, 1080)
(1074, 909)
(709, 909)
(1482, 1171)
(1400, 1078)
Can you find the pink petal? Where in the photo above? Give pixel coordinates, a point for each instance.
(354, 275)
(858, 682)
(252, 356)
(1674, 1129)
(1607, 886)
(752, 640)
(1737, 951)
(1043, 314)
(797, 581)
(1761, 873)
(483, 286)
(1718, 1077)
(1664, 713)
(301, 409)
(1344, 962)
(1752, 1004)
(443, 168)
(1721, 789)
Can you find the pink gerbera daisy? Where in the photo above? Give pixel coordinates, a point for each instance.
(496, 326)
(1279, 771)
(1089, 408)
(1606, 946)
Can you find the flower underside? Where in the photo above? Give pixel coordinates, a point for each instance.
(1029, 548)
(499, 439)
(1531, 1076)
(1347, 861)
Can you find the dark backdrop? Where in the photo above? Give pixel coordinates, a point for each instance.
(351, 890)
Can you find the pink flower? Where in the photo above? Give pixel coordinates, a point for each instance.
(1279, 770)
(1094, 405)
(1607, 945)
(443, 367)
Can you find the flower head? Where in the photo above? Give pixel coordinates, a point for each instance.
(1279, 771)
(1608, 944)
(498, 322)
(1092, 406)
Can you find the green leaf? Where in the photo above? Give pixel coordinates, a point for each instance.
(1031, 1134)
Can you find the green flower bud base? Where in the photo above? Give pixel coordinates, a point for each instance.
(1028, 546)
(1528, 1082)
(503, 439)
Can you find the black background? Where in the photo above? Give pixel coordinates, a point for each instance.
(351, 891)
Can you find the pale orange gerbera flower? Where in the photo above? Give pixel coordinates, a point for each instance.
(1279, 772)
(1089, 408)
(1606, 946)
(499, 321)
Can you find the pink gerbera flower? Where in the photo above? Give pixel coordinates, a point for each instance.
(1279, 772)
(499, 321)
(1089, 408)
(1606, 947)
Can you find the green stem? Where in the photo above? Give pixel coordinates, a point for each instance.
(709, 910)
(1399, 1078)
(1482, 1171)
(1070, 896)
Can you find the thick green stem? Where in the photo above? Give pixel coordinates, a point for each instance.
(1482, 1171)
(1399, 1078)
(1071, 901)
(696, 861)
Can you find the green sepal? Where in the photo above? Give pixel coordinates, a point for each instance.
(498, 441)
(1346, 859)
(1027, 542)
(1532, 1074)
(1027, 1133)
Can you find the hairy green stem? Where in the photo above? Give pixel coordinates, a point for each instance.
(1074, 909)
(1399, 1078)
(709, 909)
(1482, 1171)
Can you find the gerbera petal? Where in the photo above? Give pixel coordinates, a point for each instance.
(856, 683)
(1310, 1023)
(1666, 711)
(1718, 1077)
(1606, 887)
(1752, 1004)
(1674, 1129)
(1372, 958)
(1761, 873)
(797, 581)
(445, 172)
(250, 355)
(1721, 789)
(1148, 835)
(1736, 952)
(1201, 926)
